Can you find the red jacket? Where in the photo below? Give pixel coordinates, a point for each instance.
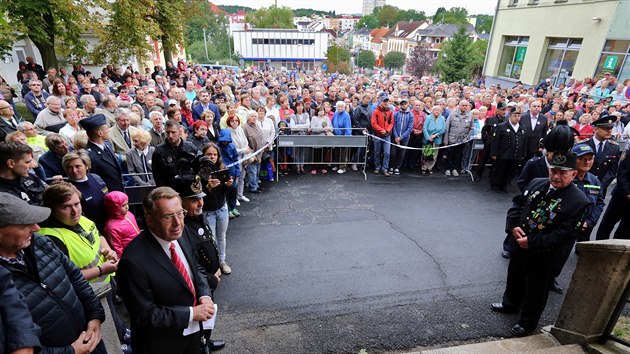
(382, 120)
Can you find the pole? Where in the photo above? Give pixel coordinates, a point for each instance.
(205, 44)
(230, 47)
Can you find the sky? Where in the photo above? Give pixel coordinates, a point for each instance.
(355, 6)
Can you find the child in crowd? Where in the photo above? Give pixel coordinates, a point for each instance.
(121, 226)
(230, 158)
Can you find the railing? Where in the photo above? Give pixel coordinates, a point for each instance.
(614, 319)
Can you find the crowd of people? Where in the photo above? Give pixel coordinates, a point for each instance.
(200, 142)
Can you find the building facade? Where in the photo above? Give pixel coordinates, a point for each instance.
(370, 5)
(282, 48)
(534, 40)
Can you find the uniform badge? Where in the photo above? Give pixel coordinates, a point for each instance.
(559, 160)
(200, 231)
(196, 187)
(169, 159)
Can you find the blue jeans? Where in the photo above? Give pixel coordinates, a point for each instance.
(381, 146)
(218, 221)
(253, 169)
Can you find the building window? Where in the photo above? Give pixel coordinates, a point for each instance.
(513, 3)
(513, 56)
(437, 40)
(614, 59)
(560, 59)
(533, 2)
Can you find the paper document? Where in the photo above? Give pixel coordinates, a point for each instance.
(193, 326)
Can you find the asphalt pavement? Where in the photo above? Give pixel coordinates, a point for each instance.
(335, 264)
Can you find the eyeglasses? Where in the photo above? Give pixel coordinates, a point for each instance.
(171, 217)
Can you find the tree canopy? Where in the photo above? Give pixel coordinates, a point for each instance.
(388, 15)
(484, 23)
(456, 57)
(394, 60)
(421, 61)
(336, 54)
(272, 17)
(366, 59)
(456, 15)
(369, 21)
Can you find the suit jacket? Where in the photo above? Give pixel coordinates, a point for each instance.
(6, 128)
(157, 296)
(198, 109)
(605, 165)
(106, 166)
(134, 165)
(507, 144)
(51, 163)
(533, 134)
(118, 141)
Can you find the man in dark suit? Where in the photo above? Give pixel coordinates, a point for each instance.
(51, 160)
(506, 151)
(617, 210)
(104, 160)
(607, 152)
(8, 120)
(205, 105)
(535, 126)
(163, 286)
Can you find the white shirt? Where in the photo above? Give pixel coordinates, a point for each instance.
(596, 141)
(515, 126)
(534, 121)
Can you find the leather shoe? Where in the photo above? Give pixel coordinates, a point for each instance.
(518, 331)
(216, 344)
(556, 288)
(505, 254)
(498, 307)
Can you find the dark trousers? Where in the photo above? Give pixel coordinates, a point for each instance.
(118, 323)
(484, 157)
(616, 212)
(397, 155)
(528, 282)
(503, 171)
(454, 157)
(412, 157)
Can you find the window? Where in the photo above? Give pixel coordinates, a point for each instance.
(513, 56)
(614, 59)
(560, 59)
(513, 3)
(533, 2)
(437, 40)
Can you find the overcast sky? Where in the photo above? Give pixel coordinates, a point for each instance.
(355, 6)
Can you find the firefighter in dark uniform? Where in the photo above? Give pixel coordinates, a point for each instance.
(199, 233)
(507, 150)
(617, 210)
(546, 217)
(607, 151)
(487, 133)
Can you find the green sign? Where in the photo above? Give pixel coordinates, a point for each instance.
(610, 63)
(520, 54)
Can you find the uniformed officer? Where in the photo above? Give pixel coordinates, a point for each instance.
(591, 186)
(607, 151)
(199, 233)
(617, 210)
(101, 152)
(547, 216)
(507, 150)
(487, 133)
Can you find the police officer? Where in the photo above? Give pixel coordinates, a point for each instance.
(507, 150)
(617, 210)
(546, 217)
(199, 233)
(591, 186)
(487, 134)
(607, 151)
(101, 152)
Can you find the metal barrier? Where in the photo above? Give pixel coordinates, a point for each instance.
(136, 194)
(322, 141)
(619, 309)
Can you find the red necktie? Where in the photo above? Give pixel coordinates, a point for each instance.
(182, 270)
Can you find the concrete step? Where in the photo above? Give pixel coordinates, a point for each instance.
(563, 349)
(540, 343)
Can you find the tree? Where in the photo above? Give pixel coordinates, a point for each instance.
(369, 21)
(478, 50)
(421, 61)
(439, 15)
(456, 57)
(484, 23)
(272, 17)
(170, 15)
(411, 15)
(394, 60)
(386, 15)
(456, 15)
(336, 54)
(54, 25)
(366, 59)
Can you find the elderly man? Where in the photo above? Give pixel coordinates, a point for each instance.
(543, 220)
(59, 298)
(167, 154)
(104, 160)
(90, 106)
(50, 120)
(15, 162)
(459, 127)
(35, 99)
(535, 126)
(35, 141)
(120, 134)
(110, 108)
(157, 128)
(163, 286)
(8, 119)
(51, 160)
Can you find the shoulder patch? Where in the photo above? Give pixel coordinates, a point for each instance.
(581, 141)
(613, 142)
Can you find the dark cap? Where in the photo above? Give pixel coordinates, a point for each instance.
(605, 122)
(15, 211)
(188, 187)
(583, 149)
(384, 97)
(93, 122)
(514, 109)
(564, 161)
(501, 105)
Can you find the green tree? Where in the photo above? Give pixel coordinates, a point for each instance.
(272, 17)
(53, 25)
(411, 14)
(439, 15)
(456, 15)
(456, 57)
(394, 60)
(369, 21)
(336, 54)
(484, 23)
(421, 61)
(386, 15)
(366, 59)
(170, 15)
(478, 50)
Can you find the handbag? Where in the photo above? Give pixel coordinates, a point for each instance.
(428, 151)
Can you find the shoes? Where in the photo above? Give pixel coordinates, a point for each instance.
(518, 331)
(243, 198)
(430, 172)
(335, 168)
(386, 174)
(476, 177)
(225, 269)
(238, 203)
(498, 307)
(505, 254)
(255, 191)
(354, 167)
(216, 344)
(341, 171)
(126, 348)
(424, 172)
(324, 171)
(396, 171)
(314, 172)
(235, 212)
(231, 214)
(447, 173)
(455, 174)
(126, 339)
(377, 171)
(556, 288)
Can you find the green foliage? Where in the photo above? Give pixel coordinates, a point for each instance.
(311, 12)
(232, 9)
(411, 14)
(394, 60)
(343, 67)
(272, 17)
(478, 50)
(336, 54)
(421, 61)
(366, 59)
(456, 15)
(456, 58)
(484, 23)
(386, 15)
(439, 14)
(369, 21)
(6, 35)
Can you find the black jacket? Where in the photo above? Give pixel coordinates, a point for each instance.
(200, 234)
(361, 118)
(28, 188)
(606, 165)
(16, 324)
(165, 158)
(60, 299)
(508, 144)
(51, 163)
(490, 126)
(106, 165)
(533, 134)
(535, 167)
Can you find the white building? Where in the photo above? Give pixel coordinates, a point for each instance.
(282, 48)
(370, 5)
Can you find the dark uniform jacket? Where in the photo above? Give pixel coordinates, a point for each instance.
(28, 188)
(106, 165)
(592, 188)
(51, 162)
(535, 167)
(165, 158)
(533, 134)
(7, 128)
(605, 165)
(60, 299)
(507, 143)
(490, 126)
(200, 234)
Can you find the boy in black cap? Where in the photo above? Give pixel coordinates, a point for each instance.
(101, 152)
(607, 151)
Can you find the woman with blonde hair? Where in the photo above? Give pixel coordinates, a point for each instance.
(140, 157)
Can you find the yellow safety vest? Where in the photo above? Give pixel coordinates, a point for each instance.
(81, 252)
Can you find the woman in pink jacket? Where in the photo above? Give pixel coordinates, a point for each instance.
(121, 226)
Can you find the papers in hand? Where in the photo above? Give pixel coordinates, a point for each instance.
(195, 326)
